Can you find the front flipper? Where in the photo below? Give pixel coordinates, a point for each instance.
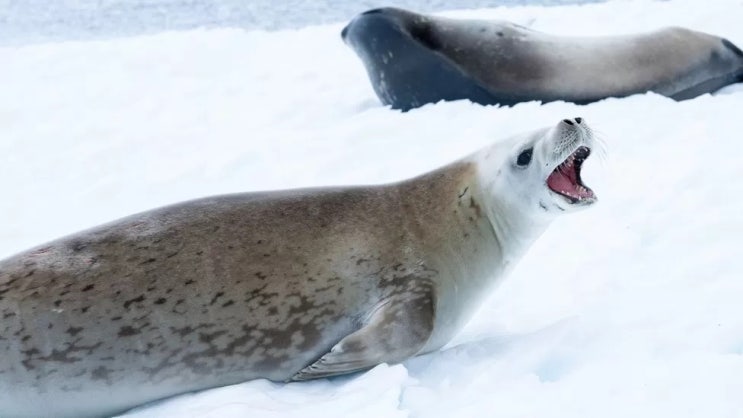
(395, 331)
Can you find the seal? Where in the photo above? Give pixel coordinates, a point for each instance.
(414, 59)
(284, 285)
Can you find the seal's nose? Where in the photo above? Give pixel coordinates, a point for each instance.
(360, 19)
(571, 128)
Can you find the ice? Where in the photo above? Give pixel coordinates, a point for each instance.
(630, 308)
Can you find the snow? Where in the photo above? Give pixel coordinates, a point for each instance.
(630, 308)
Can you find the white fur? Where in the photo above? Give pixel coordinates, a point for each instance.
(522, 192)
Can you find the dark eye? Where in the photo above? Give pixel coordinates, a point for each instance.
(525, 157)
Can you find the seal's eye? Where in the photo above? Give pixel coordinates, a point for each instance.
(525, 157)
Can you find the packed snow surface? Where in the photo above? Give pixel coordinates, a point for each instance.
(632, 308)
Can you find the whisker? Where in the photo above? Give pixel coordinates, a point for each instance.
(602, 148)
(599, 144)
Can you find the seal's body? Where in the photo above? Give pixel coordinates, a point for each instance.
(289, 285)
(414, 59)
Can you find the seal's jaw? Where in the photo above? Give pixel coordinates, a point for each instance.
(565, 179)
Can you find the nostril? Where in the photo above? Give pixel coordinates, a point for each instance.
(568, 121)
(578, 120)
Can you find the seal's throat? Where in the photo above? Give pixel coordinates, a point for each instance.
(565, 178)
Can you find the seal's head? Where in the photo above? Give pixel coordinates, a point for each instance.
(542, 170)
(401, 51)
(568, 146)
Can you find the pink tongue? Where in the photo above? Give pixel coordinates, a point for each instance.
(560, 183)
(564, 181)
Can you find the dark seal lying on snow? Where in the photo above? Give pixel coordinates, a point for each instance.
(288, 285)
(414, 59)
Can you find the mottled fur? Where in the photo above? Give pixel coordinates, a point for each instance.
(281, 285)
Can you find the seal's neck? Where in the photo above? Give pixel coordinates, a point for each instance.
(468, 236)
(516, 224)
(515, 229)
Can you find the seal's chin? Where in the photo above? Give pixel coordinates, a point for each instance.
(565, 179)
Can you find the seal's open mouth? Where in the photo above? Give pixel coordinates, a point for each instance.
(565, 179)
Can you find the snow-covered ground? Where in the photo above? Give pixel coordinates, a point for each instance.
(631, 308)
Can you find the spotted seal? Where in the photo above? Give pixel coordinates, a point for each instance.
(414, 59)
(286, 285)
